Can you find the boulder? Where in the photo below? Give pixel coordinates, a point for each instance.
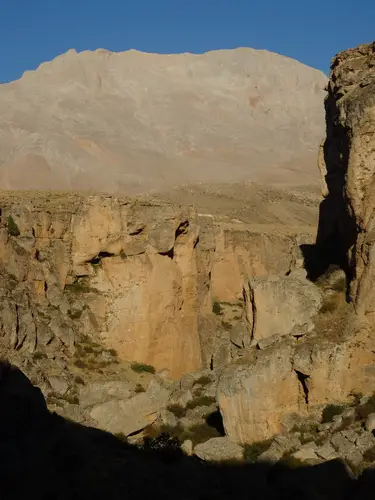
(96, 393)
(255, 394)
(219, 449)
(131, 415)
(281, 305)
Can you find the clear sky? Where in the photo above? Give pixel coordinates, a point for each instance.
(312, 31)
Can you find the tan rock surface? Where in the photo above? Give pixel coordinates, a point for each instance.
(132, 122)
(281, 305)
(99, 266)
(254, 394)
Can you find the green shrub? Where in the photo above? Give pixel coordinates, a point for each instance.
(79, 380)
(12, 227)
(216, 308)
(78, 287)
(364, 410)
(79, 363)
(330, 411)
(199, 433)
(201, 401)
(253, 451)
(227, 326)
(139, 388)
(330, 304)
(177, 410)
(369, 455)
(39, 355)
(203, 380)
(121, 437)
(290, 461)
(141, 368)
(340, 285)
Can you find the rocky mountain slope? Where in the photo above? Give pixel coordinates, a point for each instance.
(132, 122)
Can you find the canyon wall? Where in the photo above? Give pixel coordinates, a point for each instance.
(141, 277)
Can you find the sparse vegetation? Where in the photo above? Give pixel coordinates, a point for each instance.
(139, 388)
(253, 451)
(330, 304)
(369, 455)
(330, 411)
(216, 308)
(200, 401)
(290, 461)
(39, 355)
(78, 287)
(79, 380)
(203, 380)
(13, 229)
(177, 410)
(364, 410)
(122, 437)
(227, 326)
(308, 431)
(142, 368)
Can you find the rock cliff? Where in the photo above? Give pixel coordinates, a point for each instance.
(141, 277)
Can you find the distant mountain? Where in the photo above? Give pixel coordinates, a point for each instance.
(133, 122)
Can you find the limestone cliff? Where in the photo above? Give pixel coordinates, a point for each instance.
(119, 271)
(141, 277)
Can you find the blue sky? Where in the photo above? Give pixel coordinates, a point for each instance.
(312, 31)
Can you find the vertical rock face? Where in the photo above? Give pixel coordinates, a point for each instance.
(348, 162)
(123, 272)
(255, 396)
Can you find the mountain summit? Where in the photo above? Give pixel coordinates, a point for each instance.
(134, 122)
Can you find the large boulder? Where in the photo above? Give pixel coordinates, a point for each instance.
(281, 305)
(127, 416)
(219, 449)
(256, 393)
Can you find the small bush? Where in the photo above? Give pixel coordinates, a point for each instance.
(142, 368)
(290, 461)
(364, 410)
(79, 363)
(121, 437)
(13, 229)
(78, 287)
(201, 401)
(227, 326)
(330, 304)
(216, 308)
(39, 355)
(139, 388)
(177, 410)
(369, 455)
(199, 433)
(203, 380)
(73, 399)
(330, 411)
(253, 451)
(340, 285)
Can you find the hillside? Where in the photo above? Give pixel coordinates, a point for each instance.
(132, 122)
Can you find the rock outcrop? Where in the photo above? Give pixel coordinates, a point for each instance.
(336, 359)
(347, 164)
(141, 277)
(124, 273)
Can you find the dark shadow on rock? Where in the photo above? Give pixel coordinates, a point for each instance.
(337, 229)
(44, 456)
(336, 235)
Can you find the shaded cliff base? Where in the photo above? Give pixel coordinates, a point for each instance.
(45, 456)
